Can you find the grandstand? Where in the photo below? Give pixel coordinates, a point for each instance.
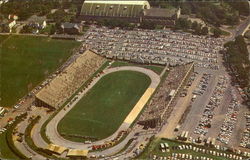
(69, 80)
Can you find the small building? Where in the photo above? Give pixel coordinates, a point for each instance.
(71, 28)
(12, 17)
(56, 149)
(171, 94)
(75, 153)
(161, 16)
(11, 25)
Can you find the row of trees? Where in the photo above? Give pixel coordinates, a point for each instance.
(215, 13)
(187, 25)
(26, 8)
(196, 28)
(237, 58)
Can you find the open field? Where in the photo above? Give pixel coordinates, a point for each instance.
(156, 68)
(29, 60)
(5, 151)
(102, 110)
(154, 149)
(2, 38)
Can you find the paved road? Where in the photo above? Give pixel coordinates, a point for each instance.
(51, 129)
(23, 146)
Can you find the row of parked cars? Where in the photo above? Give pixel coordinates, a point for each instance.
(214, 102)
(217, 153)
(228, 125)
(181, 156)
(245, 139)
(2, 130)
(202, 86)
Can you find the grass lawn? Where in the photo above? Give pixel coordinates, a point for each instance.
(5, 151)
(156, 68)
(26, 61)
(102, 110)
(2, 38)
(153, 149)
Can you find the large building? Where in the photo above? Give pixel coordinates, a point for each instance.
(132, 11)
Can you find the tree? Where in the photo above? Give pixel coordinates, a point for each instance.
(194, 25)
(197, 30)
(26, 29)
(204, 31)
(52, 30)
(217, 32)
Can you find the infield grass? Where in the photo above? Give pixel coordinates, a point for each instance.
(25, 61)
(103, 109)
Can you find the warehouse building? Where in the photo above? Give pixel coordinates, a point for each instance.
(131, 11)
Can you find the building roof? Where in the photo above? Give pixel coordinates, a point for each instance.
(77, 153)
(128, 2)
(69, 25)
(160, 12)
(56, 149)
(114, 8)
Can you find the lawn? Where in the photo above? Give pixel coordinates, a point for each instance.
(153, 149)
(2, 38)
(102, 110)
(156, 68)
(26, 61)
(5, 151)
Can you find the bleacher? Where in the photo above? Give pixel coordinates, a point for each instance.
(69, 80)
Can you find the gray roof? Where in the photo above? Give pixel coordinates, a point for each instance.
(69, 25)
(160, 12)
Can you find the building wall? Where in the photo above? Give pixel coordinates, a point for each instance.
(40, 103)
(95, 18)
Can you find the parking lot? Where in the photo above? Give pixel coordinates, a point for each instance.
(154, 46)
(216, 112)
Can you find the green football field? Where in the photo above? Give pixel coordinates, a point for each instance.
(103, 109)
(25, 61)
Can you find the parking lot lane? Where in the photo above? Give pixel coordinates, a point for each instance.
(239, 128)
(181, 106)
(197, 108)
(219, 115)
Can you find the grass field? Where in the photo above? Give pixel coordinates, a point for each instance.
(102, 110)
(26, 61)
(5, 151)
(153, 149)
(2, 38)
(156, 68)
